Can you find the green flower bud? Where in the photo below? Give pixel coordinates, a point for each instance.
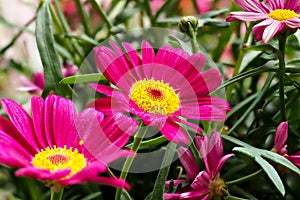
(186, 21)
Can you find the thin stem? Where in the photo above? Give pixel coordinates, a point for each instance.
(56, 194)
(281, 56)
(243, 179)
(83, 17)
(194, 150)
(129, 160)
(193, 33)
(239, 60)
(101, 12)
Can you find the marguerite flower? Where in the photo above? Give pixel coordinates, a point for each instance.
(47, 146)
(280, 138)
(160, 88)
(274, 14)
(206, 184)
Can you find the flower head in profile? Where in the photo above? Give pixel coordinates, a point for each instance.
(206, 184)
(275, 15)
(160, 88)
(280, 146)
(49, 145)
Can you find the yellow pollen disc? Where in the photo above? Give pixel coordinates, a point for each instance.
(59, 158)
(282, 14)
(155, 97)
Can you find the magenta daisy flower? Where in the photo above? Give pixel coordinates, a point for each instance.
(274, 14)
(280, 146)
(47, 145)
(159, 88)
(206, 184)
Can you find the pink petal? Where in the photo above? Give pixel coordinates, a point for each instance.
(60, 126)
(272, 30)
(201, 182)
(21, 121)
(133, 55)
(281, 136)
(188, 162)
(246, 16)
(13, 153)
(7, 128)
(251, 6)
(37, 112)
(103, 89)
(148, 55)
(275, 4)
(293, 23)
(222, 162)
(42, 174)
(173, 132)
(104, 149)
(175, 182)
(294, 159)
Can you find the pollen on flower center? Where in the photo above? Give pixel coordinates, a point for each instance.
(155, 97)
(59, 158)
(282, 14)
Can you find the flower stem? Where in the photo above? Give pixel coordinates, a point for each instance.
(281, 56)
(194, 38)
(129, 160)
(56, 193)
(243, 179)
(101, 12)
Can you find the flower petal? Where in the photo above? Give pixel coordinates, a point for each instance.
(173, 132)
(188, 162)
(280, 138)
(22, 121)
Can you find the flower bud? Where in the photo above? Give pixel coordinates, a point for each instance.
(185, 21)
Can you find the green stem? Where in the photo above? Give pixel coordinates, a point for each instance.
(83, 17)
(281, 56)
(239, 60)
(56, 194)
(243, 179)
(129, 160)
(165, 5)
(193, 33)
(194, 150)
(101, 12)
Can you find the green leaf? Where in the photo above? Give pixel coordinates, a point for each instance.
(247, 74)
(272, 173)
(85, 78)
(92, 196)
(125, 195)
(150, 143)
(158, 191)
(279, 160)
(267, 167)
(49, 56)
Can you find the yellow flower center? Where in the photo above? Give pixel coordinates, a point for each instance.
(155, 97)
(282, 14)
(59, 158)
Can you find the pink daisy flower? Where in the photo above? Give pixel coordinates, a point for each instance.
(274, 14)
(47, 145)
(281, 136)
(159, 88)
(206, 184)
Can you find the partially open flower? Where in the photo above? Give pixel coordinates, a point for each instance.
(206, 184)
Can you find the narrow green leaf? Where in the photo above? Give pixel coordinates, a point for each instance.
(150, 143)
(125, 195)
(92, 196)
(272, 173)
(247, 74)
(234, 140)
(49, 56)
(158, 191)
(255, 102)
(279, 160)
(85, 78)
(244, 150)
